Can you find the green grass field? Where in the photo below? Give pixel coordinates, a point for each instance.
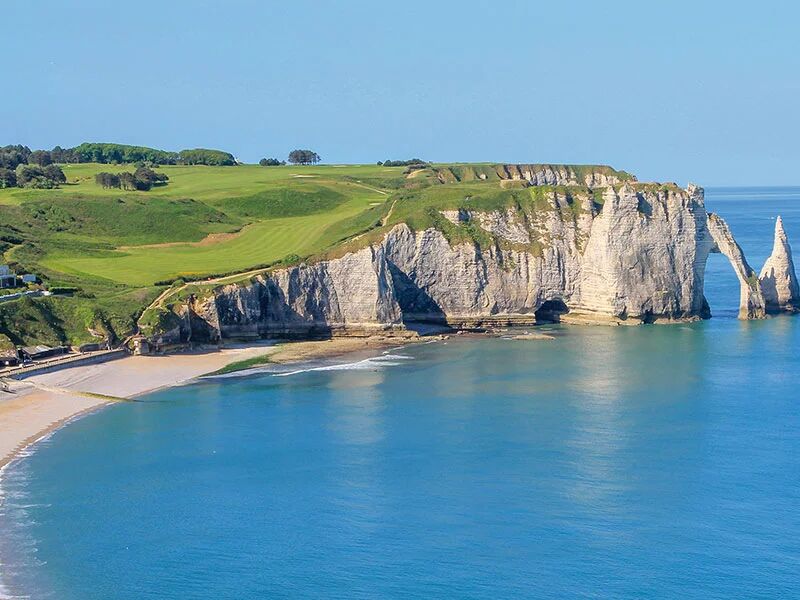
(133, 238)
(121, 248)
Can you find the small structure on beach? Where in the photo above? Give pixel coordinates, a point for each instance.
(40, 351)
(140, 345)
(93, 346)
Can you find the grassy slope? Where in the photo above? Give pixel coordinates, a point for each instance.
(107, 242)
(119, 247)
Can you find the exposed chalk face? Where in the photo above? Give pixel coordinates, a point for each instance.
(778, 279)
(640, 257)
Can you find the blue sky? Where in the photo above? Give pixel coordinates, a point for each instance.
(684, 91)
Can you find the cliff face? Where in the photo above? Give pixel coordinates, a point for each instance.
(638, 257)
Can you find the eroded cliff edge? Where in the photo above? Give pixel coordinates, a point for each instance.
(624, 253)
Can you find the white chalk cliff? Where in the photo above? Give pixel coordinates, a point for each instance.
(637, 256)
(778, 279)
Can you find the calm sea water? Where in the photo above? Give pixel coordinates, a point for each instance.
(648, 462)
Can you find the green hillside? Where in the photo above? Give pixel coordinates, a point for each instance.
(120, 249)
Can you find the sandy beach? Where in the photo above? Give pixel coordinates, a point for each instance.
(38, 405)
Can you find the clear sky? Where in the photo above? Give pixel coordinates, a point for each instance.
(672, 91)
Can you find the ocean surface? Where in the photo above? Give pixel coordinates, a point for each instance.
(642, 462)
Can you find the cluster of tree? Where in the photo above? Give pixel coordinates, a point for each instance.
(143, 179)
(271, 162)
(34, 176)
(204, 156)
(21, 167)
(121, 153)
(411, 162)
(11, 156)
(303, 157)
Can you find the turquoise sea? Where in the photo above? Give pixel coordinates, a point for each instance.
(630, 462)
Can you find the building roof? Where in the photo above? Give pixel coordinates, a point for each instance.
(36, 349)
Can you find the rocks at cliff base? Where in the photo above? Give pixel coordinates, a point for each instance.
(778, 279)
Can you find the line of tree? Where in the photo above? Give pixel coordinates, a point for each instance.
(11, 156)
(271, 162)
(143, 179)
(411, 162)
(303, 157)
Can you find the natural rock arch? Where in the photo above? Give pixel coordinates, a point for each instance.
(751, 298)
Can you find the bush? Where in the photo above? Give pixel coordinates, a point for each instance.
(63, 290)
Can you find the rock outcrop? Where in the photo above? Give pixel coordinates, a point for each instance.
(751, 298)
(559, 175)
(529, 174)
(637, 256)
(778, 279)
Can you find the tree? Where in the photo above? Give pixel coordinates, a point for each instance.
(55, 173)
(204, 156)
(270, 162)
(120, 153)
(40, 157)
(107, 180)
(12, 156)
(411, 162)
(145, 178)
(127, 181)
(303, 157)
(7, 178)
(33, 176)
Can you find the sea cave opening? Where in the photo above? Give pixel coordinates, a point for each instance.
(551, 311)
(721, 287)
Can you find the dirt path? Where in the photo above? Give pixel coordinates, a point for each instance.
(388, 214)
